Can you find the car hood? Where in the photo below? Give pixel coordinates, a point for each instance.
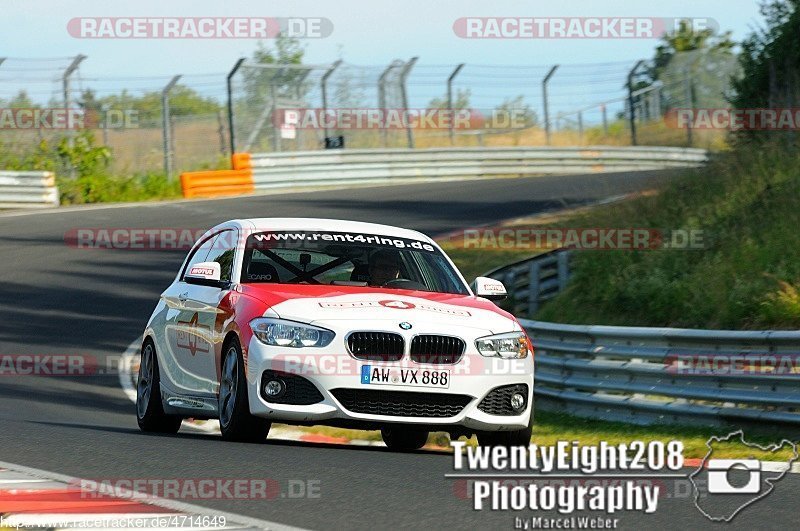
(323, 304)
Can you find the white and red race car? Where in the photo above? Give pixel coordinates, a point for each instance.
(342, 323)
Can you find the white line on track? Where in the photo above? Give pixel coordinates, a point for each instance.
(173, 505)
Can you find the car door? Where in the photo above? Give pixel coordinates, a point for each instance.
(202, 318)
(190, 325)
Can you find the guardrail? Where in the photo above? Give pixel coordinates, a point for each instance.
(28, 189)
(331, 167)
(667, 375)
(375, 165)
(533, 281)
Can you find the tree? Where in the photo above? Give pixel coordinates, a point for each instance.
(183, 101)
(686, 39)
(89, 102)
(770, 59)
(461, 101)
(699, 56)
(21, 101)
(262, 84)
(272, 74)
(518, 112)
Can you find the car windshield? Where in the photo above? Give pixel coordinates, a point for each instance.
(348, 259)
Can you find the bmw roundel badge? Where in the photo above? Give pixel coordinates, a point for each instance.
(405, 326)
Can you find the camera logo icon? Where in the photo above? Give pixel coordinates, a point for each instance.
(723, 487)
(720, 472)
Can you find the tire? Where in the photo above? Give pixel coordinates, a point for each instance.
(507, 438)
(149, 408)
(235, 421)
(402, 439)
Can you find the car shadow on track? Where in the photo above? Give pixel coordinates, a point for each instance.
(198, 436)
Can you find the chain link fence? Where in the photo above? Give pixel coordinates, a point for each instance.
(184, 122)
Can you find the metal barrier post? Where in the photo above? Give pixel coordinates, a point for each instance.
(324, 87)
(166, 132)
(403, 76)
(450, 100)
(382, 95)
(631, 105)
(546, 105)
(534, 277)
(230, 103)
(689, 95)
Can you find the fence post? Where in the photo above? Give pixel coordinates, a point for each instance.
(382, 96)
(324, 87)
(223, 146)
(605, 119)
(510, 279)
(546, 105)
(563, 270)
(166, 125)
(688, 94)
(450, 100)
(276, 133)
(534, 274)
(65, 80)
(298, 91)
(104, 109)
(631, 106)
(403, 76)
(229, 83)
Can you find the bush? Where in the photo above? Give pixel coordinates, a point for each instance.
(82, 171)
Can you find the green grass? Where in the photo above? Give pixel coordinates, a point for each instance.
(475, 262)
(747, 203)
(550, 428)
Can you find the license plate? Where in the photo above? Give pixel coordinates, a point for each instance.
(378, 375)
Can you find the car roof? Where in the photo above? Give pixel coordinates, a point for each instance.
(331, 225)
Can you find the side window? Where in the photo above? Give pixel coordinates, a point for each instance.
(199, 254)
(222, 252)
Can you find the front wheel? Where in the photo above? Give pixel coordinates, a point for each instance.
(506, 438)
(149, 408)
(404, 439)
(235, 421)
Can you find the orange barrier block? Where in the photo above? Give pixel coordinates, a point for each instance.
(240, 161)
(217, 183)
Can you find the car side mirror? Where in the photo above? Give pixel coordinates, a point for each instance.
(204, 274)
(489, 288)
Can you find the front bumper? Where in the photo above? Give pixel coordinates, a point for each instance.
(330, 369)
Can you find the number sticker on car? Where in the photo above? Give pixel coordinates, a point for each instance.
(378, 375)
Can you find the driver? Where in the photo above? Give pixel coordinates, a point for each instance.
(384, 266)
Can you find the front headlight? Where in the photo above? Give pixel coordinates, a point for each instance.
(511, 345)
(280, 333)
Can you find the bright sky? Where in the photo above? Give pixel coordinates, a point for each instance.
(367, 32)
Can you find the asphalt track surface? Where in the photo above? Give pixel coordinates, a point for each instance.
(55, 299)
